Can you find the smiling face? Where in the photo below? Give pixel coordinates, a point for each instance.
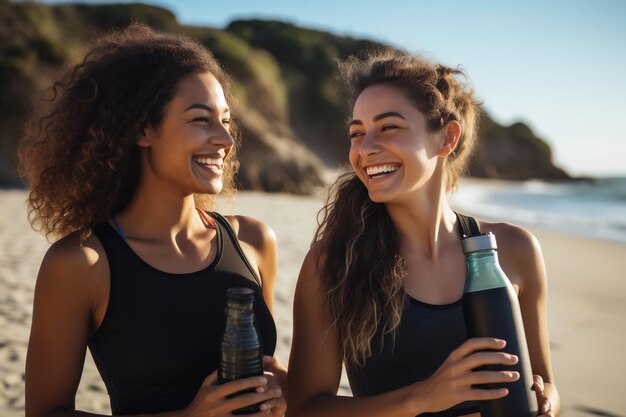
(187, 151)
(392, 150)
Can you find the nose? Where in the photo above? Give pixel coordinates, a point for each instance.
(369, 145)
(221, 137)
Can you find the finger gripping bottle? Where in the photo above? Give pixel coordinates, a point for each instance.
(491, 309)
(241, 353)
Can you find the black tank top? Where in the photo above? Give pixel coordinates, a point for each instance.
(427, 334)
(161, 332)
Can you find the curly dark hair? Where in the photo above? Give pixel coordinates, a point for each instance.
(363, 270)
(79, 150)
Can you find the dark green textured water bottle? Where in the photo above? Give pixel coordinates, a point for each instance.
(241, 352)
(491, 309)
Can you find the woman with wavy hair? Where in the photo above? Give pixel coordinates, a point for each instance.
(123, 167)
(380, 290)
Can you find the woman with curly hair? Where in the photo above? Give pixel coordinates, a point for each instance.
(123, 167)
(380, 290)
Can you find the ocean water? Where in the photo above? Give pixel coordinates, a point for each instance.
(596, 209)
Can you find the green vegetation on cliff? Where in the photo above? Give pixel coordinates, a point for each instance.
(290, 108)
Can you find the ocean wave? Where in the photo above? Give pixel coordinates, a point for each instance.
(595, 209)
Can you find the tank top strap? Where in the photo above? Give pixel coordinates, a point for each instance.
(112, 240)
(232, 248)
(469, 226)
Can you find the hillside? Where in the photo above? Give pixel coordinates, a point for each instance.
(289, 103)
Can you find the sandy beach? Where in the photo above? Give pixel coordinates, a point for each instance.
(586, 313)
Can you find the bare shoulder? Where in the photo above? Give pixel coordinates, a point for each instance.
(70, 254)
(309, 294)
(511, 236)
(74, 264)
(252, 231)
(258, 241)
(311, 270)
(519, 253)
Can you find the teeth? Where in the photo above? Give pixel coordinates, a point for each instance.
(380, 169)
(209, 161)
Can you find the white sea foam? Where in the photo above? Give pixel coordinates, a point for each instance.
(595, 208)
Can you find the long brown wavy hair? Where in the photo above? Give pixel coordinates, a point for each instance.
(79, 151)
(363, 271)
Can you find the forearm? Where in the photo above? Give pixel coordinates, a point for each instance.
(396, 403)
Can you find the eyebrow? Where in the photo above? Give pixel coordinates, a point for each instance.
(203, 107)
(199, 106)
(379, 117)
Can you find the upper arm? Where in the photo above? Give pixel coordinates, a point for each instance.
(314, 362)
(522, 261)
(62, 311)
(258, 241)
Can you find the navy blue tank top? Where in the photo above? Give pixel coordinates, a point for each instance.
(427, 334)
(161, 332)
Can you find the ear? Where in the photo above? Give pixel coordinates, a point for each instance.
(451, 134)
(146, 137)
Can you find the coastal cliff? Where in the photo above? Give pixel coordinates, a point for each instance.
(289, 102)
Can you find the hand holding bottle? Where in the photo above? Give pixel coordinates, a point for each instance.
(452, 383)
(273, 367)
(212, 400)
(276, 376)
(545, 406)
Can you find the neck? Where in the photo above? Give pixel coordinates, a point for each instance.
(159, 213)
(425, 221)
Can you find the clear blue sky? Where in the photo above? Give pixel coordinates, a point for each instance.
(556, 65)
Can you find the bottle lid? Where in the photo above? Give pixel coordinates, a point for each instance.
(241, 293)
(485, 241)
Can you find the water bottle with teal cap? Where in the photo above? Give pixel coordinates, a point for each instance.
(491, 309)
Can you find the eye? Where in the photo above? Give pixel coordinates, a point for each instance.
(226, 121)
(201, 119)
(388, 127)
(355, 134)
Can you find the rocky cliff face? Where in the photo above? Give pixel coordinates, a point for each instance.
(512, 153)
(290, 108)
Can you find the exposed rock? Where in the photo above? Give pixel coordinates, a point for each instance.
(512, 153)
(290, 110)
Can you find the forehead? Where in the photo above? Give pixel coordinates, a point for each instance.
(202, 89)
(381, 98)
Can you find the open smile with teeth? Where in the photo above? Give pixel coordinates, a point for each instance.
(378, 171)
(213, 164)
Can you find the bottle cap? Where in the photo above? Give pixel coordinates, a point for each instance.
(485, 241)
(240, 293)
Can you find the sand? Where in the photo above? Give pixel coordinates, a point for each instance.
(586, 313)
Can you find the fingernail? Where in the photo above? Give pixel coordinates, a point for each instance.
(276, 391)
(262, 380)
(503, 391)
(260, 389)
(263, 406)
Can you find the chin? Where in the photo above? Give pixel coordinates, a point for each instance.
(211, 188)
(386, 196)
(378, 197)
